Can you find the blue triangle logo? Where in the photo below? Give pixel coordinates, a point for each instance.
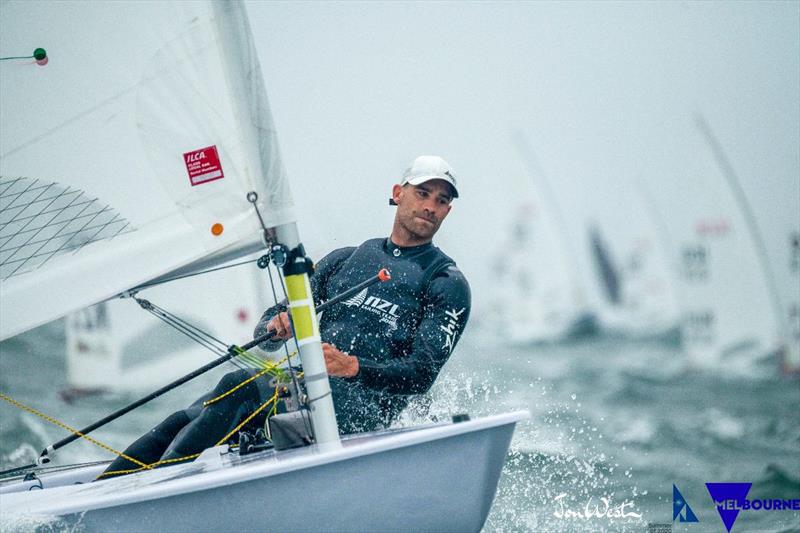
(679, 504)
(729, 499)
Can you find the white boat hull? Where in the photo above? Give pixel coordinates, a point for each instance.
(437, 478)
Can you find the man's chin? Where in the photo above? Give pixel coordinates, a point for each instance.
(425, 231)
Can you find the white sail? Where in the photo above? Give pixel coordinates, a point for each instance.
(542, 297)
(634, 278)
(728, 317)
(539, 300)
(123, 158)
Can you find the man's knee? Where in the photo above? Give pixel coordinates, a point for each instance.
(173, 423)
(231, 380)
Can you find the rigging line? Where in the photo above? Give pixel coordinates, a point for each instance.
(72, 430)
(200, 332)
(273, 399)
(292, 373)
(183, 326)
(187, 329)
(155, 283)
(150, 466)
(189, 332)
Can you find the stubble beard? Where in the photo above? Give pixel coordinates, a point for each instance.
(418, 229)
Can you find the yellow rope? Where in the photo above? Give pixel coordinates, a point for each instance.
(150, 466)
(70, 429)
(266, 370)
(273, 400)
(268, 367)
(252, 415)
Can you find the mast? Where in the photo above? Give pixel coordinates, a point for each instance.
(243, 75)
(791, 356)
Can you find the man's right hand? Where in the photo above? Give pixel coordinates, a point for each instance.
(281, 325)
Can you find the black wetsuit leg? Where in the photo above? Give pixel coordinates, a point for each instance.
(219, 418)
(178, 435)
(149, 447)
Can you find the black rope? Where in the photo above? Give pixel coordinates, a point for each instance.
(189, 275)
(201, 337)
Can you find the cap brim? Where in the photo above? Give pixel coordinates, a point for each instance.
(418, 180)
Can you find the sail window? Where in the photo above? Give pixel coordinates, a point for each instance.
(40, 219)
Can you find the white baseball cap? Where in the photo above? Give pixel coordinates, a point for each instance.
(429, 167)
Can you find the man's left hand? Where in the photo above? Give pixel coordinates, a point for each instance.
(338, 363)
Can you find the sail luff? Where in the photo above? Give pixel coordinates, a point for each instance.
(243, 75)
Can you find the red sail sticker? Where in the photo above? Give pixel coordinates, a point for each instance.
(203, 165)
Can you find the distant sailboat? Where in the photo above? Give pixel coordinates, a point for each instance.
(541, 297)
(637, 291)
(733, 311)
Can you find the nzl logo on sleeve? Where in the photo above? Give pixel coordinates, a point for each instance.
(386, 310)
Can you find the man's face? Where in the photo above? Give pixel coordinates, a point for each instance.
(422, 208)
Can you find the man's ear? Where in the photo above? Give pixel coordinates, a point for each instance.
(397, 190)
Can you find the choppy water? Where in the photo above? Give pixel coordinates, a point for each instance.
(609, 419)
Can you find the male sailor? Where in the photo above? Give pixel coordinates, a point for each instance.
(381, 347)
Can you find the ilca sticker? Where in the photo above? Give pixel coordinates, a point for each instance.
(203, 165)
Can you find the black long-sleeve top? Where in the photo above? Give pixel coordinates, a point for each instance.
(402, 331)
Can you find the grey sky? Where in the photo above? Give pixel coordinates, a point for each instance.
(605, 91)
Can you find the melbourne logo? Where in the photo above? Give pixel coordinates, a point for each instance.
(386, 310)
(730, 498)
(680, 508)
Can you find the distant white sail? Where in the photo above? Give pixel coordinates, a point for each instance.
(542, 298)
(635, 282)
(539, 301)
(729, 312)
(123, 159)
